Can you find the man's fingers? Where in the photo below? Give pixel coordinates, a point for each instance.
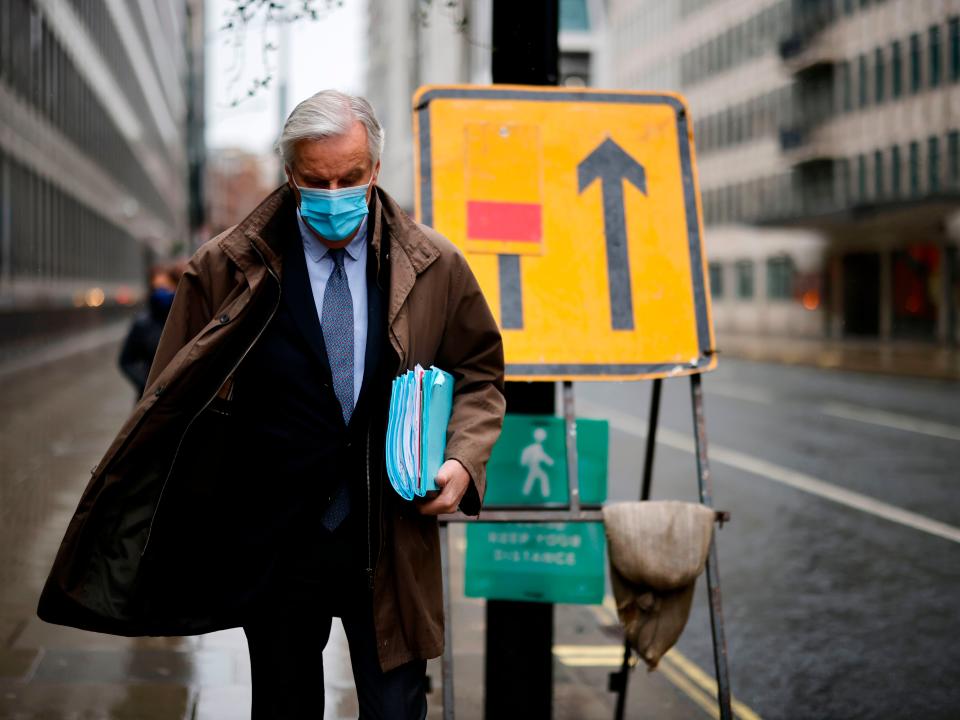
(442, 503)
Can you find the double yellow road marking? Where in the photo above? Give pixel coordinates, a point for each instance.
(682, 673)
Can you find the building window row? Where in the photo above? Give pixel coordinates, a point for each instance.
(103, 31)
(767, 197)
(905, 66)
(917, 168)
(781, 275)
(744, 41)
(50, 237)
(35, 67)
(758, 117)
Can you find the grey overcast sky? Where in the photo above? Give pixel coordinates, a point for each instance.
(322, 54)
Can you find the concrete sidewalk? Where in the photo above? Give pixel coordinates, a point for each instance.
(914, 359)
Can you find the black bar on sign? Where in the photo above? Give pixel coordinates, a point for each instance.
(511, 293)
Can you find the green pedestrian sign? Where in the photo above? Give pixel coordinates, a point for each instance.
(529, 462)
(558, 562)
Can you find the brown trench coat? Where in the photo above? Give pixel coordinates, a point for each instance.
(436, 315)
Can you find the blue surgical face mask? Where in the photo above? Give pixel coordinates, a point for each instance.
(334, 214)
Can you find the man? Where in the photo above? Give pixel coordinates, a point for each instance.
(248, 488)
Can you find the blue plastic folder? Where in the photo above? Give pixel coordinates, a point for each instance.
(420, 405)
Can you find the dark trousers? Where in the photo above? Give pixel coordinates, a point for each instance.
(286, 637)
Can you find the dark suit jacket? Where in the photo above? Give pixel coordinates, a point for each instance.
(285, 407)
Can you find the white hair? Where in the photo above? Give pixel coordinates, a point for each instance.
(329, 113)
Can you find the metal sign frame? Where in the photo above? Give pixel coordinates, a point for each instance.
(575, 511)
(509, 265)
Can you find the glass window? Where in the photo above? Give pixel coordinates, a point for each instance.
(935, 61)
(862, 80)
(915, 76)
(780, 275)
(847, 87)
(933, 164)
(574, 15)
(843, 180)
(716, 280)
(895, 170)
(861, 177)
(954, 49)
(879, 76)
(878, 183)
(896, 70)
(953, 158)
(744, 279)
(914, 168)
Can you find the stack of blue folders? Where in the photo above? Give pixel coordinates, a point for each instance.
(420, 406)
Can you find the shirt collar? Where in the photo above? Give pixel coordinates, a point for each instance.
(317, 251)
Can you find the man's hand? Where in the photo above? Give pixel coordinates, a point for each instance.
(453, 481)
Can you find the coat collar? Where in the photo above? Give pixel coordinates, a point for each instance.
(262, 235)
(266, 227)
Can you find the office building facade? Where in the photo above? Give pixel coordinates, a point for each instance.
(93, 146)
(828, 151)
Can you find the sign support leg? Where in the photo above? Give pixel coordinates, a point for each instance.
(620, 680)
(653, 421)
(570, 439)
(705, 483)
(447, 669)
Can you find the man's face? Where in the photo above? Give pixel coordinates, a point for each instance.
(332, 164)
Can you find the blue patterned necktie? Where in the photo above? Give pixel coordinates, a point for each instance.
(337, 325)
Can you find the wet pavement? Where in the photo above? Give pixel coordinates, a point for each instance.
(835, 605)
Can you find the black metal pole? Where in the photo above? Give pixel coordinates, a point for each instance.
(705, 483)
(518, 658)
(652, 422)
(519, 640)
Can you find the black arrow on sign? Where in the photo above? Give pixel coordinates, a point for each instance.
(612, 165)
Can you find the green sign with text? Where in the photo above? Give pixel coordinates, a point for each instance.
(556, 562)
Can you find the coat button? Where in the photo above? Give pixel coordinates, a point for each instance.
(349, 445)
(224, 319)
(158, 392)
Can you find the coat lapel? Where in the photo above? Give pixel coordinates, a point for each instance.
(298, 297)
(410, 253)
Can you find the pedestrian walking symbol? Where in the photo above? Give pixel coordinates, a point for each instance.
(528, 465)
(534, 457)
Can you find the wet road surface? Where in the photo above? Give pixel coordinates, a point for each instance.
(837, 603)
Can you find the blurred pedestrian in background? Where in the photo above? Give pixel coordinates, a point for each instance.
(138, 350)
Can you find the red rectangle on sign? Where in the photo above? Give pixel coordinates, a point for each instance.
(514, 222)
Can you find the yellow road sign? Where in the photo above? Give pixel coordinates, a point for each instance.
(578, 211)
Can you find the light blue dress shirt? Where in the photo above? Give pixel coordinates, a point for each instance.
(319, 269)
